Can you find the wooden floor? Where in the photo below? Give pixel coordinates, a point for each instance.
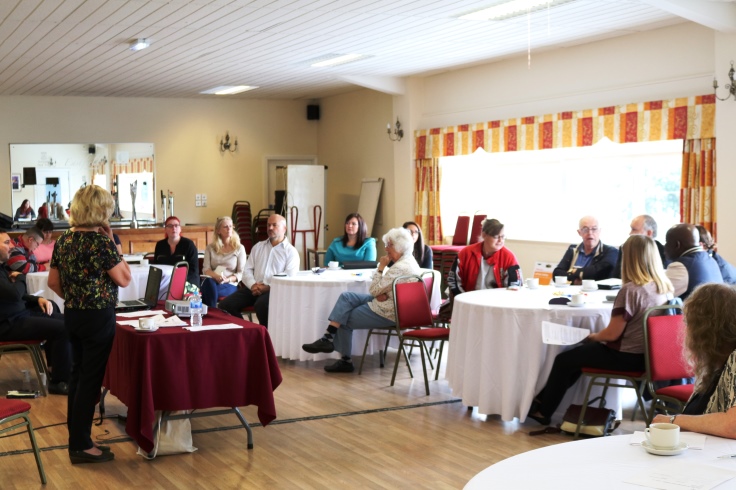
(332, 431)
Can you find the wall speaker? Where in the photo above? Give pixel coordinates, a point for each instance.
(52, 181)
(29, 176)
(92, 149)
(313, 112)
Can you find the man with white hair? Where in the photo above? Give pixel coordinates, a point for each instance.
(589, 260)
(647, 226)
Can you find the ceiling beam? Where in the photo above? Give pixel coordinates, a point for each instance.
(388, 85)
(717, 15)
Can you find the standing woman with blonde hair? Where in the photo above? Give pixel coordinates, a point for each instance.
(86, 270)
(619, 346)
(224, 263)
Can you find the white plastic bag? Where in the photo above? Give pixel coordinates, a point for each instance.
(171, 436)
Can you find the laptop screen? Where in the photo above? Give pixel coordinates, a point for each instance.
(153, 286)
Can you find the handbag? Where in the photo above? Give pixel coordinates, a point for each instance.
(597, 422)
(172, 436)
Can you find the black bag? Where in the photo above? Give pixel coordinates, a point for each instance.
(597, 422)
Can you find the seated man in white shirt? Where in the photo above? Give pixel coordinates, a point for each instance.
(690, 265)
(267, 258)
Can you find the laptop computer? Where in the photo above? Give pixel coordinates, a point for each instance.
(150, 299)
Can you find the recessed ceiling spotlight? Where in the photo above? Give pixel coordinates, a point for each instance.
(229, 89)
(139, 44)
(512, 8)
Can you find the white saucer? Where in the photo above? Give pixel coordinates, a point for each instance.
(146, 330)
(333, 268)
(589, 290)
(576, 305)
(664, 452)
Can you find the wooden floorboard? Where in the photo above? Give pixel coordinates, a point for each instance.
(380, 437)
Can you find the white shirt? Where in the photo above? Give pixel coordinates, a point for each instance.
(266, 260)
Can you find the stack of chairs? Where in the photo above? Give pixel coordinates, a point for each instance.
(243, 223)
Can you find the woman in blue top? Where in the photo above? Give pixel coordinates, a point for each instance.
(354, 245)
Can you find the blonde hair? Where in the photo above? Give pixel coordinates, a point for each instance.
(92, 206)
(710, 330)
(234, 238)
(641, 264)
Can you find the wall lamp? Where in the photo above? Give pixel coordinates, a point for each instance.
(731, 87)
(226, 145)
(397, 134)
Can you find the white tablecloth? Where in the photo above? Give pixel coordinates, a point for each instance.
(39, 281)
(601, 463)
(496, 359)
(299, 307)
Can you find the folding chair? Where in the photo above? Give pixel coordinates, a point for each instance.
(178, 281)
(664, 360)
(414, 323)
(477, 228)
(243, 223)
(33, 347)
(18, 411)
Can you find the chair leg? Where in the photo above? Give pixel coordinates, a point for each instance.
(639, 401)
(36, 451)
(365, 349)
(396, 362)
(422, 348)
(40, 366)
(439, 361)
(406, 358)
(583, 408)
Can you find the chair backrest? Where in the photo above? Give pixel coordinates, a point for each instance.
(428, 279)
(178, 281)
(411, 303)
(461, 231)
(260, 225)
(243, 223)
(477, 228)
(663, 337)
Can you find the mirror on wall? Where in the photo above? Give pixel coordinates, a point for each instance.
(60, 169)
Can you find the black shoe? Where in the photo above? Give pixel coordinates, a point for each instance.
(60, 388)
(80, 457)
(340, 366)
(541, 419)
(321, 345)
(103, 448)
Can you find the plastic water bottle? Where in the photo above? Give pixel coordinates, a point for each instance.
(195, 310)
(26, 380)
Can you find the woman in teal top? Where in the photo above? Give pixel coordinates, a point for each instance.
(354, 245)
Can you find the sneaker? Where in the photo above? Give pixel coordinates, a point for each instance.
(340, 366)
(60, 388)
(321, 345)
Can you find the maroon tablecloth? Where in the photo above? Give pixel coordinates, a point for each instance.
(175, 369)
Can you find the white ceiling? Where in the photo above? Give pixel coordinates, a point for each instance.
(80, 47)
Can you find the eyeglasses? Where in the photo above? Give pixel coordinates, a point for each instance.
(171, 226)
(593, 229)
(498, 237)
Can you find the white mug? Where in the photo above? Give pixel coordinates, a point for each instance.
(578, 299)
(333, 264)
(532, 282)
(590, 284)
(146, 323)
(561, 280)
(663, 436)
(144, 261)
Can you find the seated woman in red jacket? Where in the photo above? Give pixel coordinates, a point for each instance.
(487, 264)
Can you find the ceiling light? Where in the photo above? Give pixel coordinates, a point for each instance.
(512, 8)
(338, 59)
(139, 44)
(229, 89)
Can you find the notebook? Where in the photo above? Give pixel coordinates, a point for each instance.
(359, 264)
(150, 299)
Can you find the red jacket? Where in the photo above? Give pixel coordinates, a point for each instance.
(464, 273)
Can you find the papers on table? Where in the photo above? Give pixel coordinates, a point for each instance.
(139, 313)
(225, 326)
(680, 475)
(556, 334)
(694, 440)
(159, 321)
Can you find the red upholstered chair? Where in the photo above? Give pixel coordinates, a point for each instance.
(178, 281)
(414, 323)
(33, 347)
(243, 223)
(476, 229)
(18, 412)
(664, 360)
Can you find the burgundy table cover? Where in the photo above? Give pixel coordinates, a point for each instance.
(175, 369)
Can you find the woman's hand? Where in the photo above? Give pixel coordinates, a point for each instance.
(382, 297)
(106, 230)
(383, 262)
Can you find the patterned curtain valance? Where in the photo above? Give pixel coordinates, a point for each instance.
(682, 118)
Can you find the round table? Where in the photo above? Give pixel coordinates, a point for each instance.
(600, 463)
(299, 307)
(497, 360)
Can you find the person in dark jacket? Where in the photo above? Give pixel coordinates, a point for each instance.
(647, 226)
(589, 260)
(706, 242)
(690, 265)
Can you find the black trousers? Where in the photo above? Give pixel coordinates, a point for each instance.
(568, 365)
(91, 333)
(40, 326)
(243, 297)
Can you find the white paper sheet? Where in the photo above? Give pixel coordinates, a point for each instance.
(679, 475)
(226, 326)
(139, 313)
(556, 334)
(694, 440)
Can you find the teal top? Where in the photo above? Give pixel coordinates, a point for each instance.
(339, 252)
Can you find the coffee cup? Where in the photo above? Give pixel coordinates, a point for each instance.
(561, 280)
(663, 436)
(590, 284)
(147, 323)
(333, 264)
(144, 261)
(532, 282)
(577, 299)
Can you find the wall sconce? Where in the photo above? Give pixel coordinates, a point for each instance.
(731, 87)
(225, 144)
(398, 132)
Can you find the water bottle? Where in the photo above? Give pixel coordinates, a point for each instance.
(195, 310)
(26, 380)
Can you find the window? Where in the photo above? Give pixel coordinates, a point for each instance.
(541, 195)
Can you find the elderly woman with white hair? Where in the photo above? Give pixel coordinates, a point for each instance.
(364, 311)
